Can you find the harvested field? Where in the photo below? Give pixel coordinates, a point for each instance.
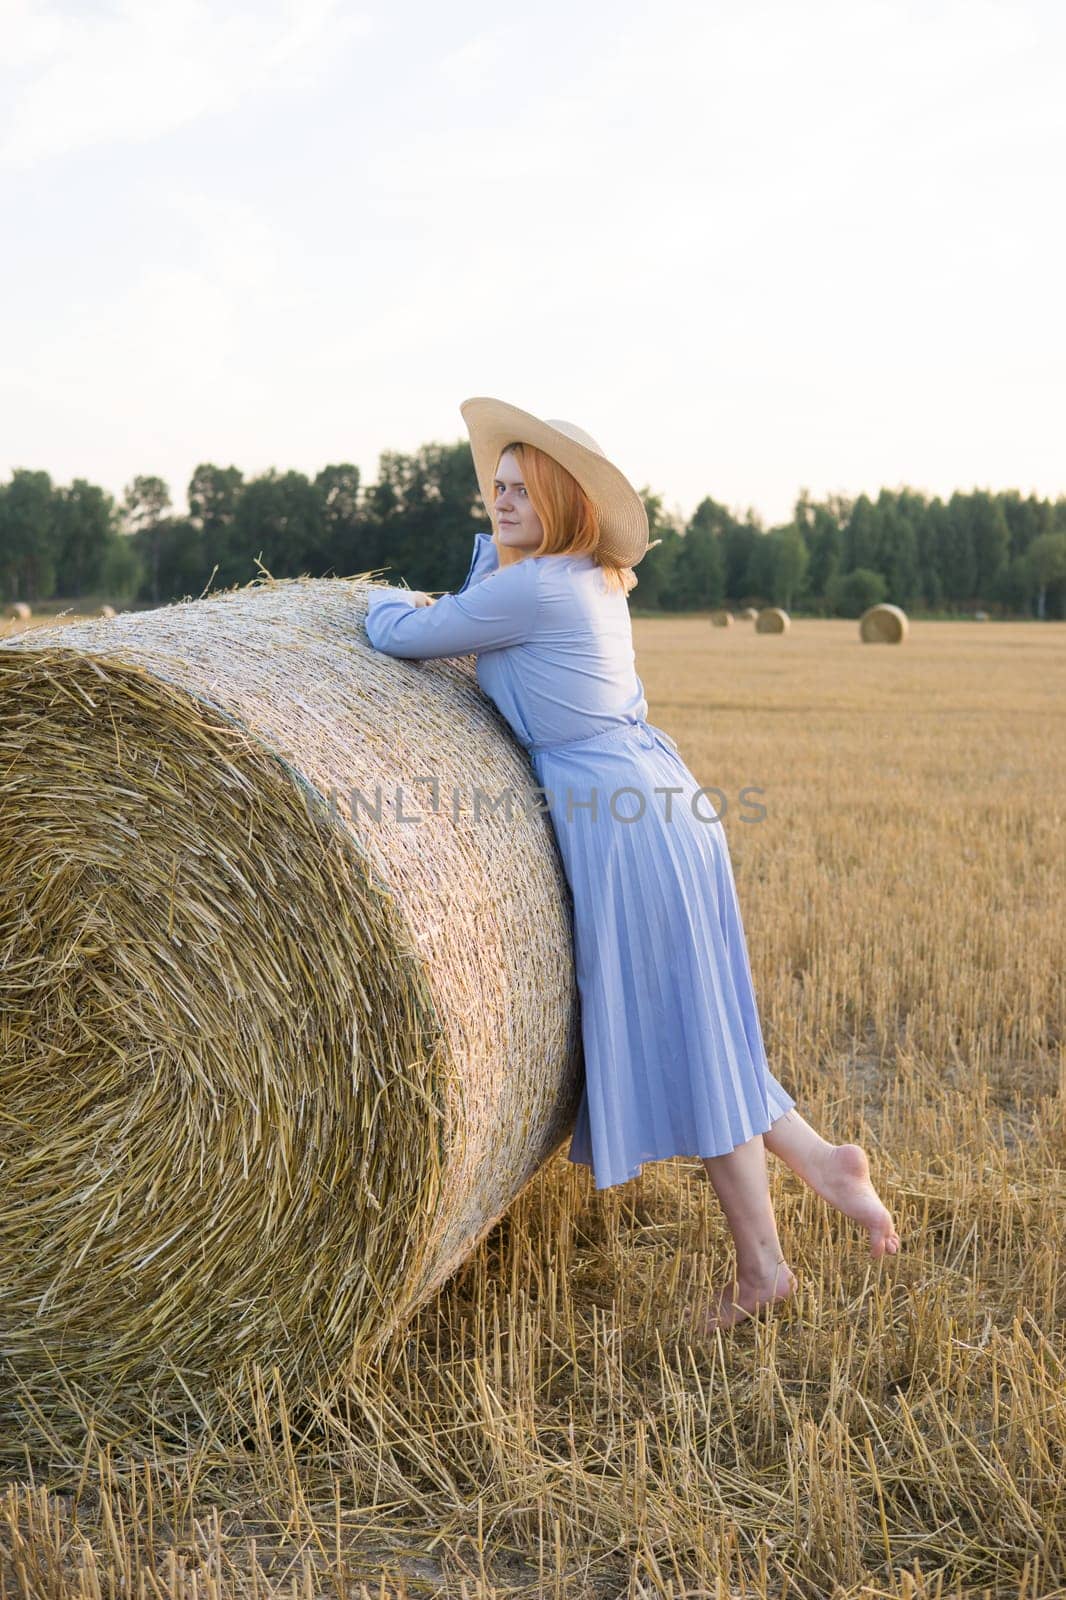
(544, 1425)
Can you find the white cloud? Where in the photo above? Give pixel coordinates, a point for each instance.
(471, 64)
(748, 247)
(140, 70)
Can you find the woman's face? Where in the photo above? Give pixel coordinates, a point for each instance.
(519, 526)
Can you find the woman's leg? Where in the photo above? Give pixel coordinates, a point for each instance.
(762, 1275)
(840, 1173)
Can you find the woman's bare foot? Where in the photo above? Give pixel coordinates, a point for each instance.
(745, 1298)
(843, 1178)
(840, 1173)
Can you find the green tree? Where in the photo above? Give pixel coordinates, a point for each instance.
(786, 564)
(85, 518)
(712, 517)
(343, 527)
(1046, 560)
(898, 558)
(862, 543)
(421, 516)
(186, 561)
(956, 556)
(144, 509)
(28, 536)
(278, 520)
(822, 529)
(1026, 520)
(698, 570)
(213, 495)
(851, 593)
(122, 568)
(658, 587)
(931, 530)
(699, 566)
(742, 544)
(204, 541)
(991, 541)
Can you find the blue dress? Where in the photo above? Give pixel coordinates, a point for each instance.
(673, 1050)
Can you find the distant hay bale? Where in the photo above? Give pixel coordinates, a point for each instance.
(748, 614)
(980, 616)
(18, 611)
(772, 620)
(106, 611)
(721, 619)
(268, 1074)
(883, 624)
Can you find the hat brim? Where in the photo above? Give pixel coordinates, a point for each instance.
(623, 519)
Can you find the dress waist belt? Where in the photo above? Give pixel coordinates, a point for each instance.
(646, 734)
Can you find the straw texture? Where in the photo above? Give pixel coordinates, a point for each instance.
(883, 624)
(268, 1074)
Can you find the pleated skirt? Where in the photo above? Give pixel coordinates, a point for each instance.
(673, 1050)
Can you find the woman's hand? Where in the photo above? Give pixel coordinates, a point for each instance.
(417, 598)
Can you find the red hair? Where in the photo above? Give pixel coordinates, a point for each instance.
(566, 513)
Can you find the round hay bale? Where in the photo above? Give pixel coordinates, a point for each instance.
(883, 624)
(721, 619)
(748, 614)
(18, 611)
(283, 1031)
(771, 619)
(106, 610)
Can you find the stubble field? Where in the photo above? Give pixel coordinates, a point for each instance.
(547, 1426)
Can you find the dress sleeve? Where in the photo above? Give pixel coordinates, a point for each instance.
(500, 611)
(485, 559)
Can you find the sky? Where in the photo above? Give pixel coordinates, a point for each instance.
(751, 248)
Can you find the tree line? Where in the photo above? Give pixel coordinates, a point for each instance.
(996, 551)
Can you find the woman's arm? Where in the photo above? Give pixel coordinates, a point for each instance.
(500, 611)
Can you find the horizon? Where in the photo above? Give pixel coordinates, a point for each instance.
(179, 508)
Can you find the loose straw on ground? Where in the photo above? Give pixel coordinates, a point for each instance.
(268, 1073)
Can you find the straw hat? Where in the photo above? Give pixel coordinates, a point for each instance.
(493, 424)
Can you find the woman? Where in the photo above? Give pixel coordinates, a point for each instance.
(674, 1057)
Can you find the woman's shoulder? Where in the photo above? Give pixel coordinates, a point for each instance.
(563, 567)
(577, 576)
(514, 572)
